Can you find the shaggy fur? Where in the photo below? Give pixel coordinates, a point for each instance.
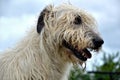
(41, 55)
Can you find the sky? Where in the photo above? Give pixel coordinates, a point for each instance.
(18, 16)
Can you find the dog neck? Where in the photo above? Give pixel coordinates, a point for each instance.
(58, 67)
(45, 57)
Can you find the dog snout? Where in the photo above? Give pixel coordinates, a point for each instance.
(97, 42)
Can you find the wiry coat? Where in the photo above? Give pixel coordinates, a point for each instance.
(40, 55)
(30, 61)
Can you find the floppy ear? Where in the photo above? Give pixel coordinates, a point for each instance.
(40, 23)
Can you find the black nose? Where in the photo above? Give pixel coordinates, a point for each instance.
(97, 42)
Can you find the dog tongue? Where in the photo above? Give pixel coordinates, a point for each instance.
(87, 53)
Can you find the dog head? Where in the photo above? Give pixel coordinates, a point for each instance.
(70, 29)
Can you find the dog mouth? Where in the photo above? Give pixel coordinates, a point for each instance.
(82, 54)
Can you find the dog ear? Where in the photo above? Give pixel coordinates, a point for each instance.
(40, 22)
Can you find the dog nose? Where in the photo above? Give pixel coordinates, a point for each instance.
(97, 42)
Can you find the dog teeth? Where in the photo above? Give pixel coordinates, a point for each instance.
(83, 54)
(90, 49)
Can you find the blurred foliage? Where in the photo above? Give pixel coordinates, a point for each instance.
(78, 74)
(111, 63)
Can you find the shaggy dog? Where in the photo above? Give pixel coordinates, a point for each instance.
(64, 35)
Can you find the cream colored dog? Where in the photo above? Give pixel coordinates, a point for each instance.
(64, 35)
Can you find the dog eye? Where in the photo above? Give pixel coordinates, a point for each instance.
(77, 20)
